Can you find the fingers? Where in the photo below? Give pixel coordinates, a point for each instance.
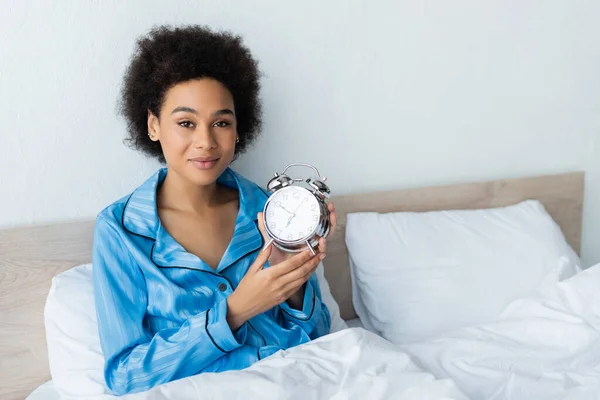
(332, 218)
(322, 246)
(291, 264)
(298, 277)
(331, 206)
(261, 228)
(303, 271)
(261, 259)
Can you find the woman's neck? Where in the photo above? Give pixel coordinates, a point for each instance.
(179, 194)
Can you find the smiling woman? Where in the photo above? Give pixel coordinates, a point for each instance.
(197, 131)
(179, 265)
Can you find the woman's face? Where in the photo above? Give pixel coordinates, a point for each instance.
(197, 130)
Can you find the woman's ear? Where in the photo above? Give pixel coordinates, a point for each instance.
(153, 126)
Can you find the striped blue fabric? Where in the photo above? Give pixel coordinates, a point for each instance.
(162, 311)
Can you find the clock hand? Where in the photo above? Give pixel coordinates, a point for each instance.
(288, 221)
(286, 210)
(294, 213)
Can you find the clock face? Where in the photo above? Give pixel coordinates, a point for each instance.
(292, 214)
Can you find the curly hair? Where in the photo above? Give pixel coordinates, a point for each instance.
(167, 56)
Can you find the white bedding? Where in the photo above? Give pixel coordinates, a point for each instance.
(44, 392)
(350, 364)
(354, 323)
(545, 346)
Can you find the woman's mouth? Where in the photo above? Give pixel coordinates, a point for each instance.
(204, 162)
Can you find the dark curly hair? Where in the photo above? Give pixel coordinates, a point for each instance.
(167, 56)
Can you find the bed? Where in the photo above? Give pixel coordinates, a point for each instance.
(31, 256)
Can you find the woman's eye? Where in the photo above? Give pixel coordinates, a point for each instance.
(185, 124)
(222, 124)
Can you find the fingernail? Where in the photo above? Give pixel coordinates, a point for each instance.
(322, 256)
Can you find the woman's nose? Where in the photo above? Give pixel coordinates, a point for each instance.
(204, 138)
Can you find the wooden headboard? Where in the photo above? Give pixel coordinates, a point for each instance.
(30, 257)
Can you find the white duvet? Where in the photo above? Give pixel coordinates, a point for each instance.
(350, 364)
(542, 347)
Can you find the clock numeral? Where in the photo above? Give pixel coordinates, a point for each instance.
(290, 237)
(273, 225)
(278, 203)
(315, 217)
(313, 207)
(271, 213)
(296, 195)
(300, 235)
(279, 232)
(285, 197)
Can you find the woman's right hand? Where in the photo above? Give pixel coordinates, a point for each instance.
(262, 289)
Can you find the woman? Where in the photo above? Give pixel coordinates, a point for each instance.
(182, 285)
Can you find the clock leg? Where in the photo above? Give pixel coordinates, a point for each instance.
(311, 249)
(268, 243)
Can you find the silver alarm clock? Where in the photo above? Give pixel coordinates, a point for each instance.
(296, 217)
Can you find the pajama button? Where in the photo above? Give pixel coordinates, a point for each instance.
(222, 287)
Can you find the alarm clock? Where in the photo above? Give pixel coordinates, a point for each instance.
(295, 216)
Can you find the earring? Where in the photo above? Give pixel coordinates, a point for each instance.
(237, 139)
(150, 135)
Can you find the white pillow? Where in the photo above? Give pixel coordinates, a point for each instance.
(74, 352)
(417, 275)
